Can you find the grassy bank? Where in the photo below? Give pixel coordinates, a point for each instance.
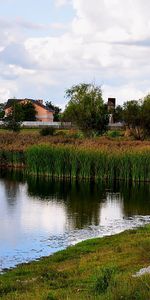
(26, 138)
(94, 269)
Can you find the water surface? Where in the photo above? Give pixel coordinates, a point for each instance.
(39, 217)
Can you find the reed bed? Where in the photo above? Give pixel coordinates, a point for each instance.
(71, 162)
(12, 158)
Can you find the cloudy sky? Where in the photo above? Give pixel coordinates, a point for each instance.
(46, 46)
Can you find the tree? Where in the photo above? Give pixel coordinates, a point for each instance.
(132, 117)
(136, 115)
(145, 115)
(118, 114)
(2, 110)
(15, 117)
(86, 109)
(29, 111)
(56, 110)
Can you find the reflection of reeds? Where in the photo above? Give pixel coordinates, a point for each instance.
(66, 161)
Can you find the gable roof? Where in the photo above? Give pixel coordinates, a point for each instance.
(37, 102)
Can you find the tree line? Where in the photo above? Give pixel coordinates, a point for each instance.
(88, 111)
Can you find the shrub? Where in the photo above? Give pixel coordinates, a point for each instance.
(47, 131)
(114, 133)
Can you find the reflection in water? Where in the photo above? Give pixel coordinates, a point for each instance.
(39, 217)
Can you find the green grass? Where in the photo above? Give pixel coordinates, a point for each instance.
(72, 162)
(66, 161)
(94, 269)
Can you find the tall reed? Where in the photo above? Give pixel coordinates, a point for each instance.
(69, 162)
(12, 158)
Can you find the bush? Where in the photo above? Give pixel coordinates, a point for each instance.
(114, 133)
(47, 131)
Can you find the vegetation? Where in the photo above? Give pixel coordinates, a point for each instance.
(56, 109)
(19, 113)
(97, 269)
(88, 164)
(47, 131)
(15, 117)
(86, 109)
(68, 154)
(29, 111)
(136, 116)
(2, 110)
(27, 137)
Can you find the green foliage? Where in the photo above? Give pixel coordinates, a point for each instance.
(118, 114)
(50, 296)
(56, 109)
(103, 280)
(29, 111)
(86, 109)
(2, 110)
(92, 270)
(47, 131)
(15, 117)
(132, 113)
(68, 162)
(145, 112)
(137, 117)
(114, 133)
(13, 158)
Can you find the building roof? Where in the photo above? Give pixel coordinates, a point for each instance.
(37, 102)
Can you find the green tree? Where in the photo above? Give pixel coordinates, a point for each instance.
(56, 109)
(145, 115)
(86, 109)
(29, 111)
(2, 110)
(15, 117)
(118, 114)
(132, 117)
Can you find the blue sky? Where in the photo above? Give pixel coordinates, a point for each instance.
(47, 46)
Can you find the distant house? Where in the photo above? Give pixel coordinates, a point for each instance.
(43, 114)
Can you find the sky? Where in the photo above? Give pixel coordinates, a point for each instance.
(46, 46)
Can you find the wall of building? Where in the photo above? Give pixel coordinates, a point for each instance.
(43, 115)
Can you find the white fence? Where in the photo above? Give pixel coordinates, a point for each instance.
(118, 125)
(40, 124)
(36, 124)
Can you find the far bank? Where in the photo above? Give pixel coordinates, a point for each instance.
(70, 156)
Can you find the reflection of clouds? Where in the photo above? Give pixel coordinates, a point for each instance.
(29, 217)
(111, 209)
(47, 216)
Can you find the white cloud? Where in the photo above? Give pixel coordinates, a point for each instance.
(113, 19)
(123, 93)
(7, 90)
(107, 40)
(60, 3)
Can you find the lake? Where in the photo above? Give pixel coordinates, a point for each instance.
(39, 216)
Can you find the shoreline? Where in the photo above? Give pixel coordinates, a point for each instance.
(82, 268)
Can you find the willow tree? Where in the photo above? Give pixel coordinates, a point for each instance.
(86, 109)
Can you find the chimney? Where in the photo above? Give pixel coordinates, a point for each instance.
(111, 104)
